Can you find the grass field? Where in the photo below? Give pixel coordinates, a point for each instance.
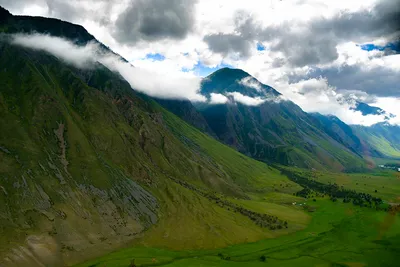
(339, 234)
(385, 182)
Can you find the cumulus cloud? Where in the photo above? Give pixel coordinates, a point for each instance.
(239, 42)
(153, 84)
(314, 41)
(316, 95)
(154, 20)
(228, 43)
(355, 69)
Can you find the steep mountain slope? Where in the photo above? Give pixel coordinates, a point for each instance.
(382, 138)
(87, 164)
(186, 111)
(345, 135)
(275, 131)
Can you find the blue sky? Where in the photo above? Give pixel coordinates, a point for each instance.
(199, 69)
(260, 47)
(156, 57)
(203, 71)
(370, 47)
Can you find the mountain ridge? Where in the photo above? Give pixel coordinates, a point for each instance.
(275, 131)
(87, 164)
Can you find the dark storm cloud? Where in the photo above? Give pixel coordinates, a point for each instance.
(378, 81)
(307, 48)
(238, 42)
(228, 43)
(154, 20)
(316, 41)
(383, 20)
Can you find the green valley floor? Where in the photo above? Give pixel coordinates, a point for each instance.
(337, 234)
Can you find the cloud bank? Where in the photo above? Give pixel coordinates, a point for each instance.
(82, 57)
(348, 47)
(145, 81)
(316, 95)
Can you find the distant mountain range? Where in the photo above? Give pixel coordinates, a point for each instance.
(276, 130)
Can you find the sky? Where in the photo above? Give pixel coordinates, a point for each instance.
(324, 55)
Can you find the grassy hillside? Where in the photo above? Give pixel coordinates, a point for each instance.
(382, 137)
(87, 164)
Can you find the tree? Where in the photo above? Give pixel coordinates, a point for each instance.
(263, 258)
(132, 263)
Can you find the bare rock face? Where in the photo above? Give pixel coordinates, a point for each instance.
(38, 251)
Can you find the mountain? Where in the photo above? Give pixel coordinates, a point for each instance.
(340, 131)
(227, 80)
(275, 131)
(381, 137)
(366, 109)
(87, 164)
(186, 111)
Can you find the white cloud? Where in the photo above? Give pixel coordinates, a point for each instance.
(251, 82)
(246, 100)
(391, 105)
(315, 95)
(63, 49)
(218, 99)
(157, 84)
(174, 85)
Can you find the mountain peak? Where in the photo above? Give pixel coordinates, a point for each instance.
(4, 13)
(229, 72)
(230, 80)
(41, 25)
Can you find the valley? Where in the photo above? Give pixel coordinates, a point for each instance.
(374, 242)
(94, 172)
